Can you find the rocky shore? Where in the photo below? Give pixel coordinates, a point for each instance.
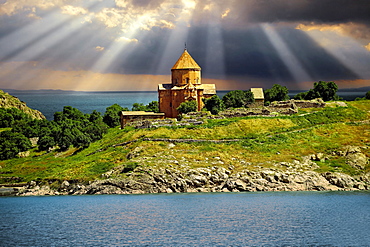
(176, 178)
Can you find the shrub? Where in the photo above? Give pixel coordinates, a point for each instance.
(276, 93)
(325, 90)
(237, 98)
(12, 143)
(112, 115)
(367, 95)
(214, 104)
(187, 106)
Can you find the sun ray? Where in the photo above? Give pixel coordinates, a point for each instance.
(42, 42)
(347, 51)
(294, 66)
(215, 57)
(178, 37)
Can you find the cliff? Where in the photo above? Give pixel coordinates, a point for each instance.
(181, 177)
(9, 101)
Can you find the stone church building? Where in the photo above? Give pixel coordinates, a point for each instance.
(186, 85)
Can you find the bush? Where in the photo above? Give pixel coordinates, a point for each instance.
(11, 116)
(12, 143)
(237, 98)
(187, 106)
(214, 104)
(112, 115)
(276, 93)
(325, 90)
(367, 95)
(151, 107)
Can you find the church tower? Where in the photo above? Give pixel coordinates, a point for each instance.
(185, 71)
(185, 85)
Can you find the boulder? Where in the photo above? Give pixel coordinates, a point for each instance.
(355, 157)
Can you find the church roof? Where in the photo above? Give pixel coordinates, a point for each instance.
(186, 62)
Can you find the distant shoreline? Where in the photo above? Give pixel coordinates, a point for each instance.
(360, 89)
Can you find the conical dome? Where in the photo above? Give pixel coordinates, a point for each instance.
(186, 62)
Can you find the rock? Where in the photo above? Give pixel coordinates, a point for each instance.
(339, 180)
(171, 145)
(65, 184)
(134, 153)
(198, 180)
(240, 185)
(355, 157)
(31, 184)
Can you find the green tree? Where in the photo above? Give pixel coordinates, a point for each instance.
(9, 117)
(367, 95)
(112, 115)
(325, 90)
(187, 106)
(138, 107)
(153, 106)
(276, 93)
(214, 104)
(12, 143)
(238, 98)
(45, 142)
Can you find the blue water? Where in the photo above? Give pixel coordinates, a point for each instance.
(49, 102)
(198, 219)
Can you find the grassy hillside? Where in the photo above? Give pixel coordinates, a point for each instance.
(261, 141)
(9, 101)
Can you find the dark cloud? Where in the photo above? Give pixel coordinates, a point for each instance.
(236, 46)
(320, 11)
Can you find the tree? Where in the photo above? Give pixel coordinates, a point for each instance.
(112, 115)
(214, 104)
(187, 106)
(237, 98)
(325, 90)
(12, 143)
(138, 107)
(9, 117)
(276, 93)
(367, 95)
(46, 142)
(151, 107)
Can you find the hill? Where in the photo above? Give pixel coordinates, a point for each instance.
(316, 149)
(9, 101)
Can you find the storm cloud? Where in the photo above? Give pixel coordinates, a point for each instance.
(245, 43)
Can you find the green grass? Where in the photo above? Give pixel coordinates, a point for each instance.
(263, 140)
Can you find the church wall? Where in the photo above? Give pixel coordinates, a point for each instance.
(165, 102)
(178, 96)
(179, 76)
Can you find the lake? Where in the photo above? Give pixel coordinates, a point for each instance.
(188, 219)
(49, 101)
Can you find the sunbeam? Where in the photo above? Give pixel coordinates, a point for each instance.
(215, 59)
(347, 51)
(177, 39)
(289, 59)
(88, 44)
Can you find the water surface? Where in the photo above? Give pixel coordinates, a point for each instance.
(190, 219)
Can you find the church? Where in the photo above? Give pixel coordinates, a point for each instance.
(186, 85)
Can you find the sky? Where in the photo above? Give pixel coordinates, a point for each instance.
(131, 45)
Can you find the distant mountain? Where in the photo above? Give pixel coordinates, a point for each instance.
(359, 89)
(10, 91)
(9, 101)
